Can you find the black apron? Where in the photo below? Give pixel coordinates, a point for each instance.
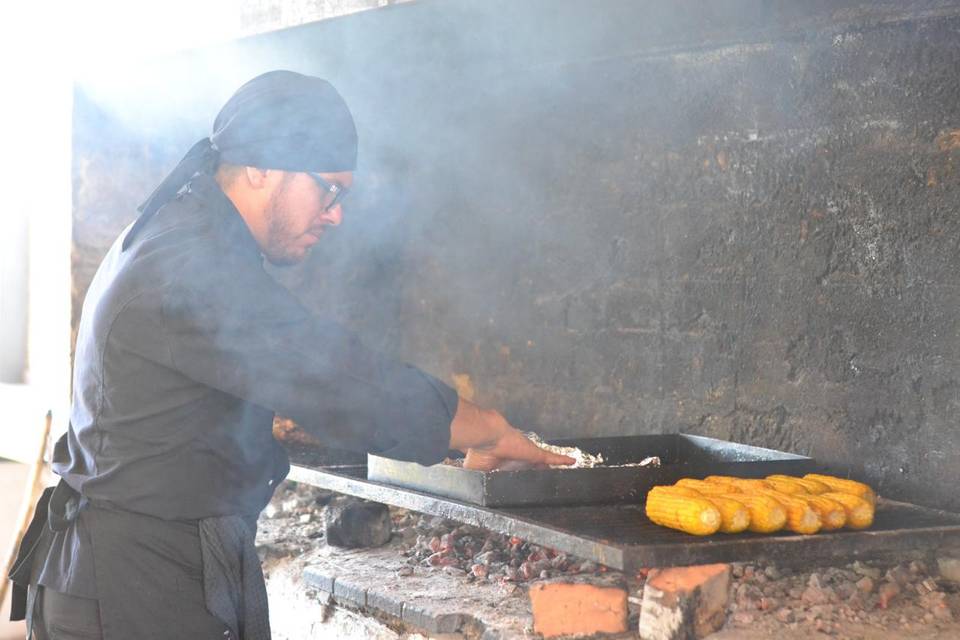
(155, 579)
(57, 507)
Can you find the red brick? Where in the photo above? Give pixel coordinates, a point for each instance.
(578, 606)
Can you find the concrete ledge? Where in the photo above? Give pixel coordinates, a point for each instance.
(316, 578)
(345, 592)
(387, 603)
(421, 616)
(390, 603)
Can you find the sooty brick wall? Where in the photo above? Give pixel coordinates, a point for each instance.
(754, 241)
(735, 218)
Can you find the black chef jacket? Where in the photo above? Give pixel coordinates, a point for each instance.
(186, 349)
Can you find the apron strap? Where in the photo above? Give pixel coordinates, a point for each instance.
(57, 507)
(33, 539)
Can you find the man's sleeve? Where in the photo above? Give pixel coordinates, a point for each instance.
(239, 331)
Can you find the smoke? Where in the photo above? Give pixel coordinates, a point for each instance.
(476, 190)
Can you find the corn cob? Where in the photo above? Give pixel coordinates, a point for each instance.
(669, 508)
(684, 491)
(723, 480)
(843, 485)
(706, 488)
(786, 485)
(766, 514)
(801, 517)
(734, 517)
(859, 511)
(750, 484)
(738, 484)
(831, 513)
(812, 486)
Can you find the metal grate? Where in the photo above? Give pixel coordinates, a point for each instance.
(621, 537)
(627, 524)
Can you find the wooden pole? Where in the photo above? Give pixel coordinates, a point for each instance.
(30, 496)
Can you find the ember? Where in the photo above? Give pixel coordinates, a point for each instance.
(478, 554)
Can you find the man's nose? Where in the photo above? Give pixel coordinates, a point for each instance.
(333, 216)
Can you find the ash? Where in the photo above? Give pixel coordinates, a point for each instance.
(882, 599)
(292, 524)
(480, 555)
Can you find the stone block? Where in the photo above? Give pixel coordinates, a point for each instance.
(349, 593)
(949, 568)
(387, 602)
(684, 603)
(423, 617)
(579, 605)
(354, 523)
(319, 579)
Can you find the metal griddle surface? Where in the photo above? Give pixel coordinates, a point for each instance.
(618, 481)
(620, 536)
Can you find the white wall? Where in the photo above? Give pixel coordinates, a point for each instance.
(35, 182)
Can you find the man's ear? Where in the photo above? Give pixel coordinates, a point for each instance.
(256, 178)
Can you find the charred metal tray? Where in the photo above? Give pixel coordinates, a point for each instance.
(616, 481)
(621, 537)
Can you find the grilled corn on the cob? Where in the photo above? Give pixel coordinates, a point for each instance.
(734, 516)
(786, 485)
(812, 486)
(706, 488)
(722, 480)
(831, 513)
(859, 511)
(766, 514)
(738, 484)
(668, 507)
(844, 485)
(804, 505)
(801, 517)
(751, 484)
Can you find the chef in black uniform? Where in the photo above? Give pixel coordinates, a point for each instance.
(186, 349)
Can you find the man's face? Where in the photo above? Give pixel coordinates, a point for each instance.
(296, 218)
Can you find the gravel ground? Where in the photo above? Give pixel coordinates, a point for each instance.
(859, 600)
(873, 600)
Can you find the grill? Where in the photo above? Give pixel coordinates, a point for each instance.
(619, 480)
(621, 537)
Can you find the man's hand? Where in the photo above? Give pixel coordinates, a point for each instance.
(491, 443)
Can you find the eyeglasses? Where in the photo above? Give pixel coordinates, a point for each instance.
(332, 193)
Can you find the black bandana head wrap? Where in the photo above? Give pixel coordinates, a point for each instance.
(279, 120)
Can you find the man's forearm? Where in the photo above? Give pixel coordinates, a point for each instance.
(473, 426)
(489, 441)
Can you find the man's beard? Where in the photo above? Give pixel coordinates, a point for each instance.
(279, 233)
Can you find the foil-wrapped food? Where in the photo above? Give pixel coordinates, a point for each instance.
(291, 434)
(583, 460)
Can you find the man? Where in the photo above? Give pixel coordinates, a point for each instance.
(186, 349)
